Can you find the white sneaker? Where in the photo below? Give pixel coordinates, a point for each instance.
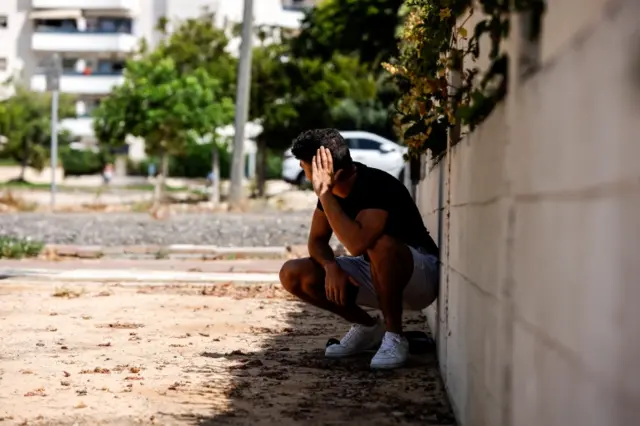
(393, 352)
(359, 339)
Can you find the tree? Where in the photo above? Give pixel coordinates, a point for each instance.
(366, 28)
(25, 121)
(110, 118)
(290, 94)
(270, 96)
(199, 43)
(163, 105)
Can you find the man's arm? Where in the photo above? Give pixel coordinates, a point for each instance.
(356, 235)
(319, 237)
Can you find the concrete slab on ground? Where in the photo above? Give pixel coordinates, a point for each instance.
(239, 265)
(145, 276)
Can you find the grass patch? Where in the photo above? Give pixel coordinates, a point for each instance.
(141, 206)
(143, 187)
(18, 248)
(162, 254)
(151, 187)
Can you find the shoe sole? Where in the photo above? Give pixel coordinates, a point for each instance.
(387, 366)
(337, 356)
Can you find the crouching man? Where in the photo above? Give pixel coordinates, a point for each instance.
(393, 263)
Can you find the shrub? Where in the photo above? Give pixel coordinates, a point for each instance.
(78, 163)
(196, 163)
(17, 248)
(274, 165)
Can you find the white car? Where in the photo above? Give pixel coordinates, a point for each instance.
(367, 148)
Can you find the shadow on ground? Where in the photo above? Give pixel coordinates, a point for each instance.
(289, 382)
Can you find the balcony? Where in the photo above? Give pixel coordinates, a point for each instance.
(130, 5)
(75, 83)
(83, 41)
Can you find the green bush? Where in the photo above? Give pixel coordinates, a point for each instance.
(78, 163)
(274, 165)
(17, 248)
(194, 163)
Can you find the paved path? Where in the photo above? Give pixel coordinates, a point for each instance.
(243, 265)
(144, 271)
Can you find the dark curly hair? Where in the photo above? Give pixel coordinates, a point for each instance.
(307, 144)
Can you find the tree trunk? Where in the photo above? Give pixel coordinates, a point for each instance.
(261, 167)
(214, 194)
(24, 161)
(160, 180)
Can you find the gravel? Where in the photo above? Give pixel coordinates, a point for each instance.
(219, 229)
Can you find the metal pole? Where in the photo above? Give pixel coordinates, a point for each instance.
(242, 105)
(54, 146)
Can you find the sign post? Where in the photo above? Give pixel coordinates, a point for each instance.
(53, 85)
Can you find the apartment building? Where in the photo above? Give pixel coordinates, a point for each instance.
(94, 37)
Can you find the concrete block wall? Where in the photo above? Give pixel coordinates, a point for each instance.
(538, 218)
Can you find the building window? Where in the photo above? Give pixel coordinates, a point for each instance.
(4, 22)
(3, 64)
(69, 65)
(110, 25)
(56, 25)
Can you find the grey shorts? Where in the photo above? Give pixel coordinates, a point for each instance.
(420, 292)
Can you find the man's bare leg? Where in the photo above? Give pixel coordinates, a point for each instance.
(304, 278)
(391, 269)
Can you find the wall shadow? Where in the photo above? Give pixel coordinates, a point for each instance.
(289, 381)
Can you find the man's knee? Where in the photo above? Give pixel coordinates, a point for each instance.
(294, 273)
(391, 263)
(383, 248)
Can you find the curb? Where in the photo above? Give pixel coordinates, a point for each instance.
(172, 251)
(134, 277)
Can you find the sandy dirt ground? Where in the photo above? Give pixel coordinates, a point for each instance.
(91, 354)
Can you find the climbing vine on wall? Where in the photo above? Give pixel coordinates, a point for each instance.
(435, 39)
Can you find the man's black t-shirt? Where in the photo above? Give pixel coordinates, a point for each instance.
(375, 189)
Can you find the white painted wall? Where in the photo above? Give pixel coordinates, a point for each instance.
(538, 217)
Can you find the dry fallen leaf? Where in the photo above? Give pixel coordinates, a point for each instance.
(81, 405)
(97, 370)
(105, 344)
(36, 392)
(67, 293)
(120, 325)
